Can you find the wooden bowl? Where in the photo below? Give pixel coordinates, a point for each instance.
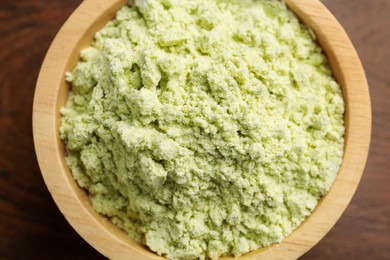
(52, 91)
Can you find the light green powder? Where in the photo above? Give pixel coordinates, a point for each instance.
(204, 127)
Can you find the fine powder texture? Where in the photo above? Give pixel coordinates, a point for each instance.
(204, 128)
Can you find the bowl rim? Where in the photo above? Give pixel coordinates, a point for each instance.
(51, 93)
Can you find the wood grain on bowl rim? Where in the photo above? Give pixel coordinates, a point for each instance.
(51, 94)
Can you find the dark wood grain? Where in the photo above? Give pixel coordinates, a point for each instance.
(31, 226)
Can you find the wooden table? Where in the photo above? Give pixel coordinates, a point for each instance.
(31, 226)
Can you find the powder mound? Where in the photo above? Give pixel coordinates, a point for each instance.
(204, 128)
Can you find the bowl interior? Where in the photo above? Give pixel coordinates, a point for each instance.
(52, 91)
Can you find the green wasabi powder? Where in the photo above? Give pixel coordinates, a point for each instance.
(204, 128)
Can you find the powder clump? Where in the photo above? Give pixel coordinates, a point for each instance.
(204, 128)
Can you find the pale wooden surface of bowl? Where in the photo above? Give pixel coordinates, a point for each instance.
(51, 94)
